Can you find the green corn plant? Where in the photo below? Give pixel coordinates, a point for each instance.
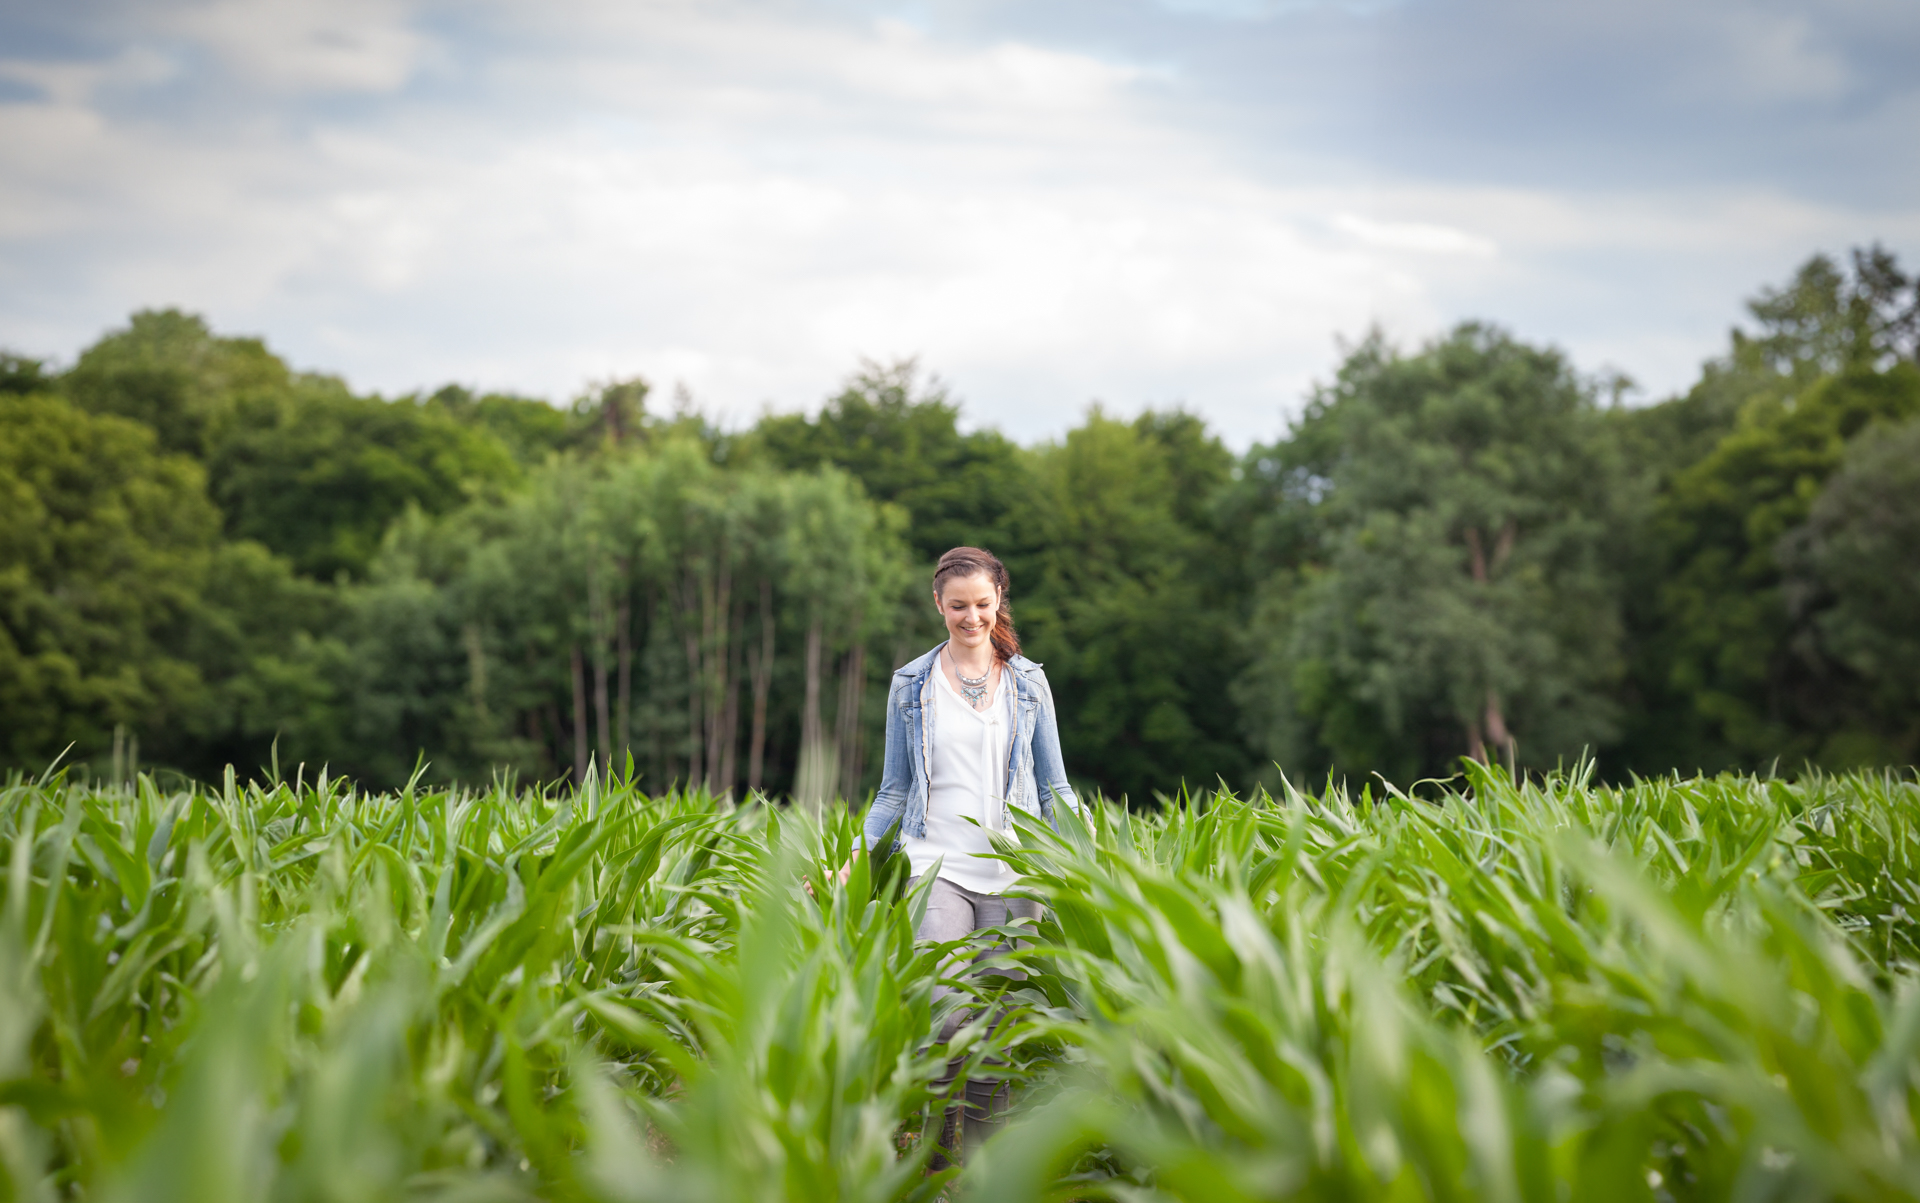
(1539, 988)
(795, 1058)
(1215, 1058)
(1658, 979)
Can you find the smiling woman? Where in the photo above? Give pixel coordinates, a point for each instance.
(971, 734)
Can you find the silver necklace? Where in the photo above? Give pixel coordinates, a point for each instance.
(974, 689)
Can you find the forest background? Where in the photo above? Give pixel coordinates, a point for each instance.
(1469, 548)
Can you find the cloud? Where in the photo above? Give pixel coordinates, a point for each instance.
(1779, 57)
(749, 198)
(1413, 236)
(307, 45)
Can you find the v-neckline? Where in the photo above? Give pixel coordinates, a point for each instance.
(982, 713)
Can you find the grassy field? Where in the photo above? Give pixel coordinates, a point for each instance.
(1696, 989)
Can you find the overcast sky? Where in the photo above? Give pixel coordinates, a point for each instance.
(1144, 202)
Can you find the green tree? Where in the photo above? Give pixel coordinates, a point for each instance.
(1726, 625)
(21, 375)
(1734, 465)
(170, 372)
(1822, 322)
(104, 552)
(120, 606)
(529, 427)
(611, 415)
(266, 642)
(1126, 597)
(318, 474)
(902, 441)
(1440, 582)
(639, 601)
(1828, 320)
(295, 460)
(1852, 587)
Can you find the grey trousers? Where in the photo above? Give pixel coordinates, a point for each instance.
(953, 913)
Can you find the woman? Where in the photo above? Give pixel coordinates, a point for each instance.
(971, 736)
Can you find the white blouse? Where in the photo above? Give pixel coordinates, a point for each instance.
(969, 774)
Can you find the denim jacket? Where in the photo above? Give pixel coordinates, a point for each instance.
(1035, 774)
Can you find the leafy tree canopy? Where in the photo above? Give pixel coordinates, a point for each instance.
(170, 372)
(105, 547)
(120, 604)
(318, 474)
(1441, 524)
(18, 374)
(296, 461)
(1125, 590)
(531, 428)
(1828, 320)
(902, 441)
(1451, 551)
(1853, 592)
(1824, 321)
(1725, 617)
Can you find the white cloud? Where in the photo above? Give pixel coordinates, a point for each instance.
(74, 84)
(307, 45)
(1413, 236)
(750, 199)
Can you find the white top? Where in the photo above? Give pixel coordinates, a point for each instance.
(969, 774)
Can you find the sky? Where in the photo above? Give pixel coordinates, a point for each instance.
(1048, 204)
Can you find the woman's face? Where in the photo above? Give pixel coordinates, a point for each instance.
(968, 605)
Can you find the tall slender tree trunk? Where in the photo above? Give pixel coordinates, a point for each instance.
(730, 708)
(477, 675)
(579, 717)
(717, 625)
(1492, 726)
(815, 778)
(623, 620)
(544, 739)
(602, 714)
(656, 718)
(597, 624)
(853, 690)
(550, 735)
(1497, 727)
(690, 637)
(762, 672)
(810, 708)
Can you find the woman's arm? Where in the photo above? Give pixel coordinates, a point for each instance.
(1049, 770)
(895, 770)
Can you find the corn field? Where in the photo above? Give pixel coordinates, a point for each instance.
(1541, 990)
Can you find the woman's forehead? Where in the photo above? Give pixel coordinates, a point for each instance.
(975, 584)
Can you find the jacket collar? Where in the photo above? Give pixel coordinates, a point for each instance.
(920, 665)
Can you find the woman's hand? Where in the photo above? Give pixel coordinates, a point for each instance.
(839, 876)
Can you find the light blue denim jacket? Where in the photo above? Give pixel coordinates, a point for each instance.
(1035, 774)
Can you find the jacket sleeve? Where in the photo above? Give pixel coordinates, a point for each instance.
(1049, 770)
(894, 780)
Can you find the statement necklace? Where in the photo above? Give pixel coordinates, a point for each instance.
(974, 689)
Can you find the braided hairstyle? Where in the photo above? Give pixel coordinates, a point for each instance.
(971, 561)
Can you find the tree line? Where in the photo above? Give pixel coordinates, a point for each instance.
(1469, 548)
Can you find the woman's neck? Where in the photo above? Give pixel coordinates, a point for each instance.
(973, 662)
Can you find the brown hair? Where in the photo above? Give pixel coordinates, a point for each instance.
(971, 561)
